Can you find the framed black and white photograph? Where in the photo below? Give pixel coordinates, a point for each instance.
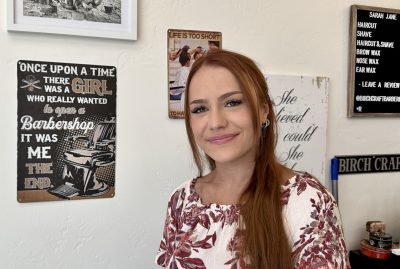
(115, 19)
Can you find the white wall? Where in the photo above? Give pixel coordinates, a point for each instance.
(307, 37)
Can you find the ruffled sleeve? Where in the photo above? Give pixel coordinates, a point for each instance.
(314, 226)
(171, 227)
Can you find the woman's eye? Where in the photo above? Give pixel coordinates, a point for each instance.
(198, 109)
(234, 102)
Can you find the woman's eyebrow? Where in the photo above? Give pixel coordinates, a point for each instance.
(222, 97)
(226, 95)
(199, 101)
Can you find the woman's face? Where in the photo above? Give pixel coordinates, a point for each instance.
(220, 116)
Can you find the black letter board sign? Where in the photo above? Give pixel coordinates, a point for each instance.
(374, 82)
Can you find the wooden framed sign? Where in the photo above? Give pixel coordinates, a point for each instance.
(301, 110)
(374, 81)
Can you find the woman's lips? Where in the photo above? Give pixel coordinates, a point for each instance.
(221, 139)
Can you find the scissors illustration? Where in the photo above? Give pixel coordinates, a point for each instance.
(31, 82)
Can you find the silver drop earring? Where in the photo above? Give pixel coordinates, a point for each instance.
(264, 127)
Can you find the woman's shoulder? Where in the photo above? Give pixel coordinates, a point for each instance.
(303, 188)
(184, 186)
(183, 192)
(181, 188)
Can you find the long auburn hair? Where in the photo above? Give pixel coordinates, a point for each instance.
(265, 241)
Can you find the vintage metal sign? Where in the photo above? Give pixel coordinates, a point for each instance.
(184, 48)
(66, 131)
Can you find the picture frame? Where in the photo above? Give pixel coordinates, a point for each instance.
(374, 84)
(114, 19)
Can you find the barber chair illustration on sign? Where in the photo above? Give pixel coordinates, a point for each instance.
(80, 164)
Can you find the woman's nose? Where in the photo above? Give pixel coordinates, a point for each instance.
(217, 119)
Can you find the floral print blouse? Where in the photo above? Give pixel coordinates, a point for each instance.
(199, 236)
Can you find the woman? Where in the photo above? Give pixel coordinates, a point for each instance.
(249, 211)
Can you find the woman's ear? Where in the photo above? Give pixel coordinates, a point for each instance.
(264, 112)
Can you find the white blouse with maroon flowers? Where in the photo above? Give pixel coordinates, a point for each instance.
(199, 236)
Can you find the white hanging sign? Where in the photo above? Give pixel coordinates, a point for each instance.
(301, 107)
